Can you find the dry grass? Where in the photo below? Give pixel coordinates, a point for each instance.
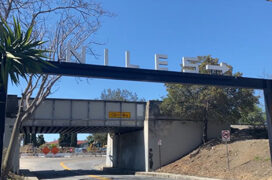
(249, 160)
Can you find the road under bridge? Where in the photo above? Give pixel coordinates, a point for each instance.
(134, 129)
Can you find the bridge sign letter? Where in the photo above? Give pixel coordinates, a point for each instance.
(225, 135)
(45, 150)
(119, 115)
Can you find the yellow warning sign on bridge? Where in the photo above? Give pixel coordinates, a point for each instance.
(119, 114)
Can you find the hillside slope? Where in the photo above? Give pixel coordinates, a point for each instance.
(249, 160)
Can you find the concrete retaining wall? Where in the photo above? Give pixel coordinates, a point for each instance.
(178, 137)
(215, 128)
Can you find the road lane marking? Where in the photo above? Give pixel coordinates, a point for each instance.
(63, 166)
(92, 176)
(99, 177)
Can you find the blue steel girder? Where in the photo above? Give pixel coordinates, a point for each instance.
(148, 75)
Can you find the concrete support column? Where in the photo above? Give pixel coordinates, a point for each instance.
(111, 156)
(126, 151)
(146, 137)
(268, 108)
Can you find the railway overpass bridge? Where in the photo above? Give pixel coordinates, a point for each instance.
(134, 129)
(85, 116)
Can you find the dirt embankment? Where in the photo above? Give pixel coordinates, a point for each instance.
(249, 158)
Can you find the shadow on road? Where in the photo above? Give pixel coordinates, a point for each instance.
(52, 174)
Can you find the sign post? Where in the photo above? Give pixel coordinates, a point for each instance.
(226, 138)
(160, 144)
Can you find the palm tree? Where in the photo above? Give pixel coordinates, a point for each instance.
(18, 53)
(19, 56)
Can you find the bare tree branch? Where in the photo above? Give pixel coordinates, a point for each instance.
(10, 2)
(57, 23)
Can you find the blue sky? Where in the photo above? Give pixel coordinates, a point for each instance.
(239, 33)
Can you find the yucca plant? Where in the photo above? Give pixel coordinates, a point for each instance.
(19, 55)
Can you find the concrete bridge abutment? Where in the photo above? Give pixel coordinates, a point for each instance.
(126, 151)
(162, 141)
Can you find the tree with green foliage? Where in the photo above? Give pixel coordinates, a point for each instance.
(31, 138)
(26, 139)
(19, 55)
(119, 95)
(65, 140)
(255, 117)
(99, 139)
(90, 139)
(40, 140)
(208, 103)
(34, 140)
(68, 140)
(73, 142)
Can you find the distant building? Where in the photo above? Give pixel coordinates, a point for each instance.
(82, 144)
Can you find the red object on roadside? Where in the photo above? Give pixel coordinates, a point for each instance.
(54, 150)
(45, 150)
(225, 135)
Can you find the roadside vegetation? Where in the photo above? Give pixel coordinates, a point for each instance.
(206, 103)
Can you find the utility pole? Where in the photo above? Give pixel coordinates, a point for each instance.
(3, 100)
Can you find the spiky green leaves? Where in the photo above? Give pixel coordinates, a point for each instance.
(19, 54)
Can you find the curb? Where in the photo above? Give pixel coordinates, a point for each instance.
(31, 178)
(172, 176)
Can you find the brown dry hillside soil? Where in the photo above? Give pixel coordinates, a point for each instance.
(249, 158)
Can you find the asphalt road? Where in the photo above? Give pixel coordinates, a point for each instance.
(75, 168)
